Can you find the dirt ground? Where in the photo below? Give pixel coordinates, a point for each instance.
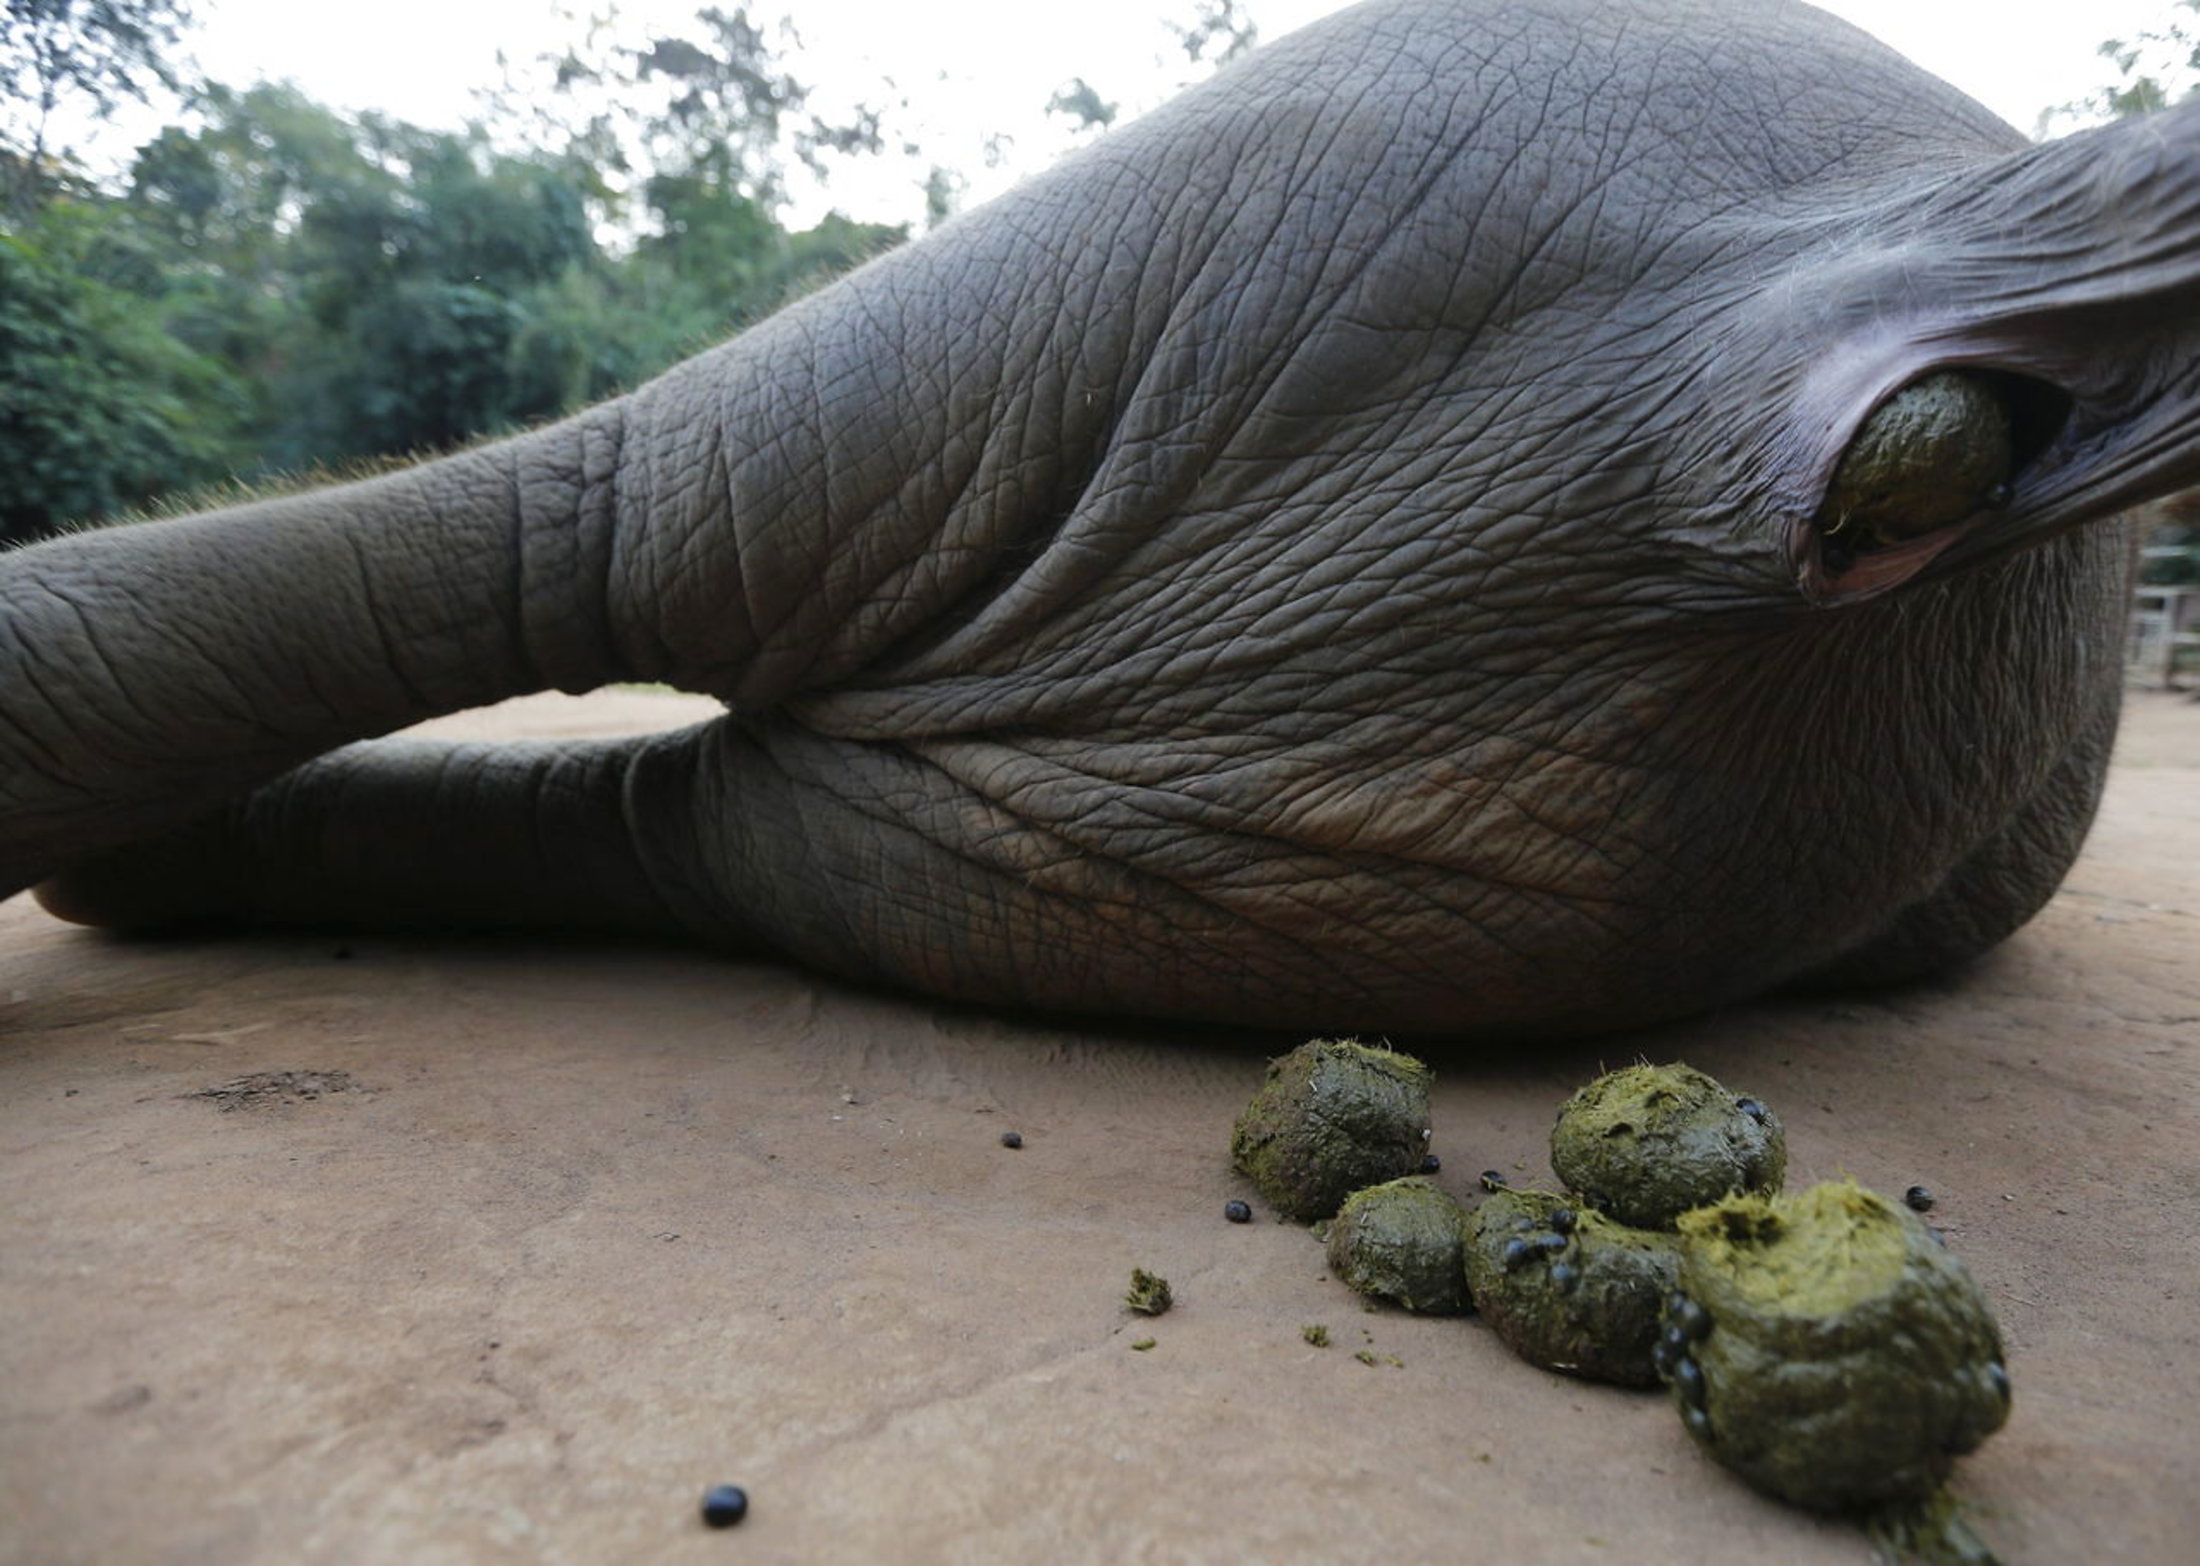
(321, 1250)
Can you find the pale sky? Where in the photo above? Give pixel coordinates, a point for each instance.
(970, 67)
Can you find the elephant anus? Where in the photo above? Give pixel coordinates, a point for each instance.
(1495, 517)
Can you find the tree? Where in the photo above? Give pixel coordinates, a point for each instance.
(690, 133)
(2155, 69)
(101, 406)
(2159, 67)
(1076, 100)
(943, 192)
(703, 114)
(279, 286)
(97, 53)
(371, 275)
(1218, 33)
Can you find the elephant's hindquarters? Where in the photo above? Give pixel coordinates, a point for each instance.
(992, 873)
(1908, 779)
(983, 872)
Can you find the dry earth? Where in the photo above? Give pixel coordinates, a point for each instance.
(321, 1250)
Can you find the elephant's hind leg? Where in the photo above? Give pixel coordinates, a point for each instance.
(403, 833)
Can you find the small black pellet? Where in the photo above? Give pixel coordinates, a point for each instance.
(1688, 1381)
(1517, 1254)
(2000, 1379)
(1663, 1356)
(1430, 1163)
(1751, 1108)
(1697, 1421)
(1237, 1212)
(1693, 1320)
(1563, 1220)
(1551, 1244)
(724, 1505)
(1676, 1338)
(1492, 1180)
(1012, 1139)
(1564, 1277)
(1918, 1199)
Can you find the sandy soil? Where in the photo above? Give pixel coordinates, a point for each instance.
(535, 1242)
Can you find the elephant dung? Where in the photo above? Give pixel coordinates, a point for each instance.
(1402, 1241)
(1568, 1289)
(1936, 451)
(1333, 1116)
(1644, 1144)
(1842, 1357)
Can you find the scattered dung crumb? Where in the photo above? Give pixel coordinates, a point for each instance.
(1316, 1334)
(1370, 1357)
(1142, 1344)
(1149, 1293)
(276, 1087)
(122, 1402)
(1937, 1531)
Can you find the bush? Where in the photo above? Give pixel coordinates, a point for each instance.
(101, 408)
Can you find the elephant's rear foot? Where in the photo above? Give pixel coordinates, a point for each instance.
(396, 833)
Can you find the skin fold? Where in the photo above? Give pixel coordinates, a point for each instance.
(1348, 551)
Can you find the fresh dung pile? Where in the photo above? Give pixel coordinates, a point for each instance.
(1825, 1345)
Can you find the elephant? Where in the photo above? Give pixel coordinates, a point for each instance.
(1504, 519)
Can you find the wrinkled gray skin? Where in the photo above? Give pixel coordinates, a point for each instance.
(1340, 552)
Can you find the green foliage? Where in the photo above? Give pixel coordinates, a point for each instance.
(2154, 69)
(93, 53)
(943, 190)
(1218, 33)
(280, 286)
(365, 275)
(277, 286)
(707, 106)
(1077, 100)
(102, 406)
(2171, 50)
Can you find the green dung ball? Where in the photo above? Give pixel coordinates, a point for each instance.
(1930, 455)
(1644, 1144)
(1568, 1289)
(1401, 1242)
(1836, 1354)
(1333, 1116)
